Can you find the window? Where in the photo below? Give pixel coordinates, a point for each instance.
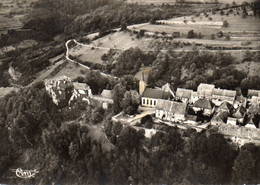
(151, 102)
(143, 101)
(154, 102)
(147, 102)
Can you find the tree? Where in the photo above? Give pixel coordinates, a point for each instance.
(141, 33)
(118, 96)
(130, 102)
(191, 34)
(244, 165)
(123, 26)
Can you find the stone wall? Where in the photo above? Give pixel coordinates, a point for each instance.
(239, 131)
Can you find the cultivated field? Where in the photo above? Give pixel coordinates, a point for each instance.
(11, 13)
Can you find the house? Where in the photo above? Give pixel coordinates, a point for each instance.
(252, 121)
(192, 119)
(167, 88)
(225, 107)
(254, 109)
(81, 93)
(204, 105)
(151, 96)
(194, 96)
(183, 94)
(231, 121)
(219, 118)
(105, 99)
(60, 89)
(255, 100)
(170, 110)
(240, 100)
(252, 92)
(221, 95)
(239, 114)
(205, 90)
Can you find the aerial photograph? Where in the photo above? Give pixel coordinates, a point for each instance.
(129, 92)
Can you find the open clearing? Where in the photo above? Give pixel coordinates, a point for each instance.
(72, 71)
(123, 40)
(6, 90)
(239, 29)
(88, 53)
(251, 68)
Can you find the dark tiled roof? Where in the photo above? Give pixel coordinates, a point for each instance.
(220, 117)
(204, 104)
(240, 112)
(156, 94)
(226, 106)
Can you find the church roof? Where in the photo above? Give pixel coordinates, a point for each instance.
(156, 94)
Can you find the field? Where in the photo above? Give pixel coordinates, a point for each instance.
(6, 90)
(173, 2)
(243, 32)
(251, 68)
(11, 13)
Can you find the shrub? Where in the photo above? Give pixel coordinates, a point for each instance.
(213, 36)
(220, 34)
(225, 24)
(141, 33)
(221, 12)
(227, 37)
(148, 125)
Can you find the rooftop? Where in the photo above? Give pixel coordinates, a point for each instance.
(156, 94)
(224, 92)
(252, 92)
(80, 86)
(204, 104)
(183, 93)
(172, 106)
(107, 94)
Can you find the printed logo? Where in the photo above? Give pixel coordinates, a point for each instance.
(25, 174)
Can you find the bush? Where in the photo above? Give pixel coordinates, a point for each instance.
(225, 24)
(227, 37)
(148, 125)
(141, 33)
(213, 36)
(220, 34)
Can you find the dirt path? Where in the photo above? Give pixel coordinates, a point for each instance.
(45, 74)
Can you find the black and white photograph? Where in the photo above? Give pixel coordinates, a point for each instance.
(129, 92)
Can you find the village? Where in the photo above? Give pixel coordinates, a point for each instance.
(184, 107)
